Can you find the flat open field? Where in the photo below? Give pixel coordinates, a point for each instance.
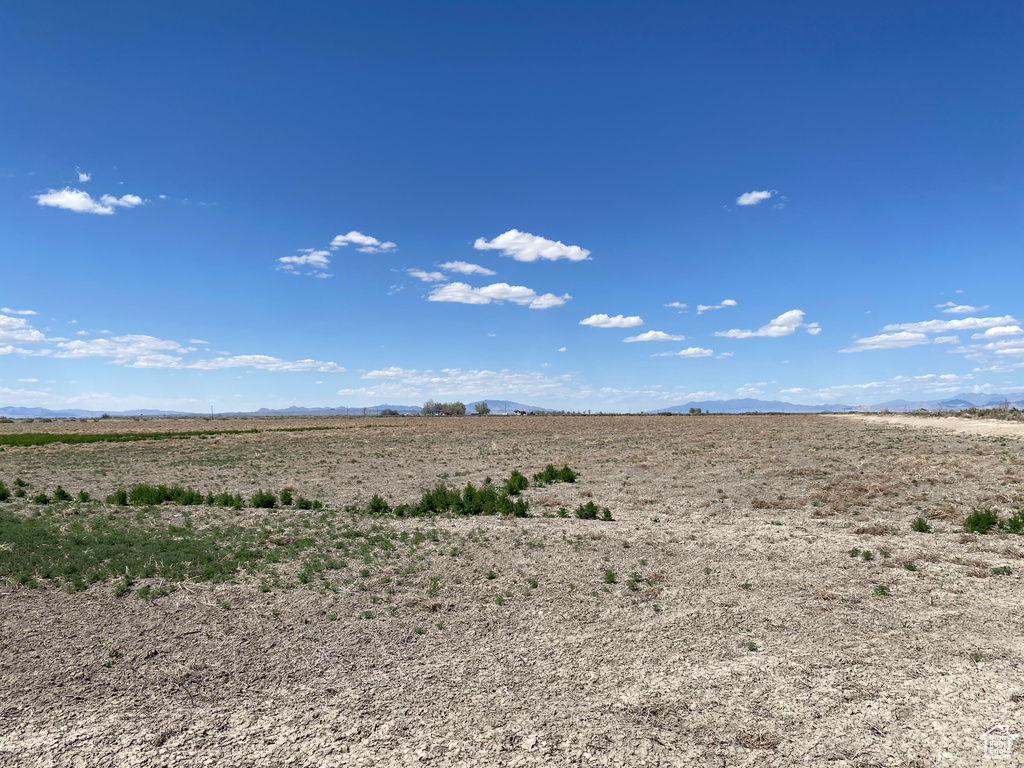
(759, 598)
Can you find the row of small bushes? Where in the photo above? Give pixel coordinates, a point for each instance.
(488, 499)
(984, 520)
(144, 495)
(21, 491)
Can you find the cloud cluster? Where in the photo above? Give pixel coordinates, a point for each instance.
(463, 293)
(465, 268)
(944, 326)
(312, 263)
(16, 330)
(897, 340)
(80, 201)
(688, 352)
(395, 381)
(655, 336)
(702, 308)
(676, 305)
(959, 309)
(366, 243)
(427, 277)
(619, 321)
(522, 246)
(783, 325)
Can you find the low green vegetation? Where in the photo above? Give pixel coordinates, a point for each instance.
(46, 438)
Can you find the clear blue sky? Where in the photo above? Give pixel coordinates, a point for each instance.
(240, 205)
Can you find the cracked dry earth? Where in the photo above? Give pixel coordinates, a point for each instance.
(735, 630)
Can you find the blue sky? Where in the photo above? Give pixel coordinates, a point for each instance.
(240, 205)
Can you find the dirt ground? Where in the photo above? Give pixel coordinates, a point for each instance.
(737, 629)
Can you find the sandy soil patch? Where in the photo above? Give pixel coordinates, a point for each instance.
(990, 427)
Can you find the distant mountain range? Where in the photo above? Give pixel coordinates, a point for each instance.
(745, 405)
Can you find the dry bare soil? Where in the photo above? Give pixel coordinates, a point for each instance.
(719, 620)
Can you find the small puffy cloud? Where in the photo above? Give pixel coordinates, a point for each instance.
(82, 175)
(783, 325)
(463, 293)
(82, 202)
(427, 277)
(944, 326)
(676, 305)
(998, 332)
(702, 308)
(959, 309)
(655, 336)
(897, 340)
(125, 201)
(365, 243)
(522, 246)
(465, 268)
(753, 198)
(9, 311)
(619, 321)
(311, 263)
(688, 352)
(563, 349)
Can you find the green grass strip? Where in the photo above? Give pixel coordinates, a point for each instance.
(44, 438)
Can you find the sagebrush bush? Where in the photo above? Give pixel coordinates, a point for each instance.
(286, 498)
(263, 500)
(146, 495)
(981, 521)
(5, 492)
(551, 475)
(516, 483)
(59, 494)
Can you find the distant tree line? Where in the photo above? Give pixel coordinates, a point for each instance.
(430, 408)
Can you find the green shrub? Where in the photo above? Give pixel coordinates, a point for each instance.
(59, 494)
(1002, 570)
(263, 500)
(286, 498)
(5, 492)
(920, 525)
(1014, 523)
(610, 577)
(118, 497)
(301, 502)
(516, 483)
(83, 496)
(981, 521)
(587, 511)
(41, 498)
(551, 475)
(227, 500)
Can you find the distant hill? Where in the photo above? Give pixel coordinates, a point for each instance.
(959, 402)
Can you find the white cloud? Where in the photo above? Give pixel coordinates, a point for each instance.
(9, 311)
(16, 330)
(943, 326)
(366, 243)
(946, 340)
(427, 277)
(927, 385)
(82, 202)
(959, 309)
(311, 263)
(465, 268)
(654, 336)
(193, 341)
(458, 382)
(688, 352)
(265, 363)
(522, 246)
(82, 176)
(619, 321)
(125, 201)
(463, 293)
(563, 349)
(29, 381)
(999, 332)
(676, 305)
(783, 325)
(702, 308)
(753, 198)
(897, 340)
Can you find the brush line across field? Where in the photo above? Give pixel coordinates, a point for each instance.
(45, 438)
